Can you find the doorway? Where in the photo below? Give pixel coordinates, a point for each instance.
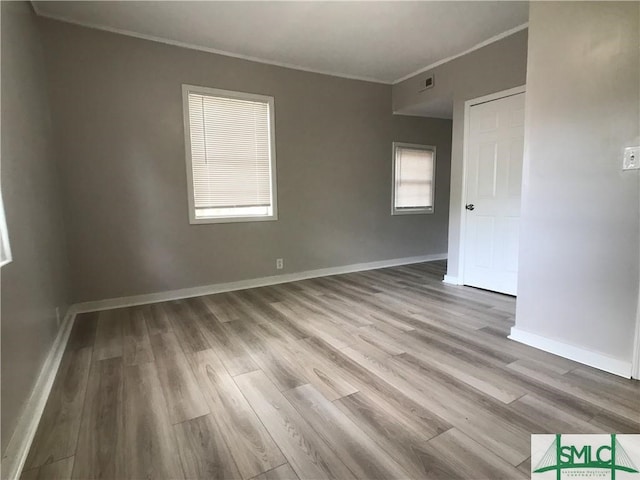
(494, 145)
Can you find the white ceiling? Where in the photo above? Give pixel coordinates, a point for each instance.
(379, 41)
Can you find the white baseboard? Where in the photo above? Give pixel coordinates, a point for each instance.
(15, 454)
(451, 280)
(572, 352)
(635, 372)
(251, 283)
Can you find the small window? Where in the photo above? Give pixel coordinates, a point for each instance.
(231, 160)
(5, 250)
(413, 178)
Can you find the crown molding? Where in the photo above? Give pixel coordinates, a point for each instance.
(472, 49)
(293, 66)
(201, 48)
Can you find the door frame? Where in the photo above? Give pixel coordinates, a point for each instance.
(463, 217)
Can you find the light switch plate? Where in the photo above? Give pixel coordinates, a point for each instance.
(631, 159)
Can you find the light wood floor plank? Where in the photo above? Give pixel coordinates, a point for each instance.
(308, 454)
(283, 472)
(137, 347)
(356, 449)
(461, 412)
(182, 394)
(221, 307)
(271, 316)
(149, 445)
(373, 335)
(281, 369)
(226, 344)
(167, 343)
(181, 316)
(157, 318)
(525, 467)
(321, 304)
(376, 374)
(624, 407)
(606, 385)
(109, 341)
(479, 462)
(612, 423)
(100, 452)
(83, 333)
(60, 470)
(549, 367)
(392, 429)
(546, 417)
(251, 446)
(483, 378)
(31, 474)
(320, 326)
(57, 434)
(203, 452)
(382, 392)
(317, 371)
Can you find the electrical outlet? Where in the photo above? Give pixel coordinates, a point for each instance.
(279, 263)
(631, 159)
(58, 316)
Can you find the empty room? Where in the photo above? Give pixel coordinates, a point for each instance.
(265, 240)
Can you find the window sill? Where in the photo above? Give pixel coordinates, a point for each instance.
(413, 211)
(206, 220)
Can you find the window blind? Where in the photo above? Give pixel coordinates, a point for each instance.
(230, 156)
(413, 178)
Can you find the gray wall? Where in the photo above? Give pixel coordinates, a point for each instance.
(117, 105)
(578, 274)
(35, 282)
(496, 67)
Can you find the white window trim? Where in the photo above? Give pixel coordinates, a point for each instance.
(186, 90)
(4, 236)
(416, 210)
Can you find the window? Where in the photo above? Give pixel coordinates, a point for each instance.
(231, 160)
(5, 250)
(413, 178)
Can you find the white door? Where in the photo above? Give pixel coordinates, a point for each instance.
(493, 180)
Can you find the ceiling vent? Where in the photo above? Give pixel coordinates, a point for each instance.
(428, 82)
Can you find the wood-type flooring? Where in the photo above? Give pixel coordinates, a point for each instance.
(373, 375)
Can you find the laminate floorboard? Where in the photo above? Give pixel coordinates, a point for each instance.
(306, 451)
(137, 347)
(182, 318)
(203, 451)
(386, 373)
(182, 393)
(227, 345)
(359, 452)
(249, 442)
(382, 423)
(57, 434)
(157, 318)
(149, 445)
(100, 452)
(283, 472)
(278, 365)
(315, 368)
(60, 470)
(83, 333)
(109, 341)
(479, 462)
